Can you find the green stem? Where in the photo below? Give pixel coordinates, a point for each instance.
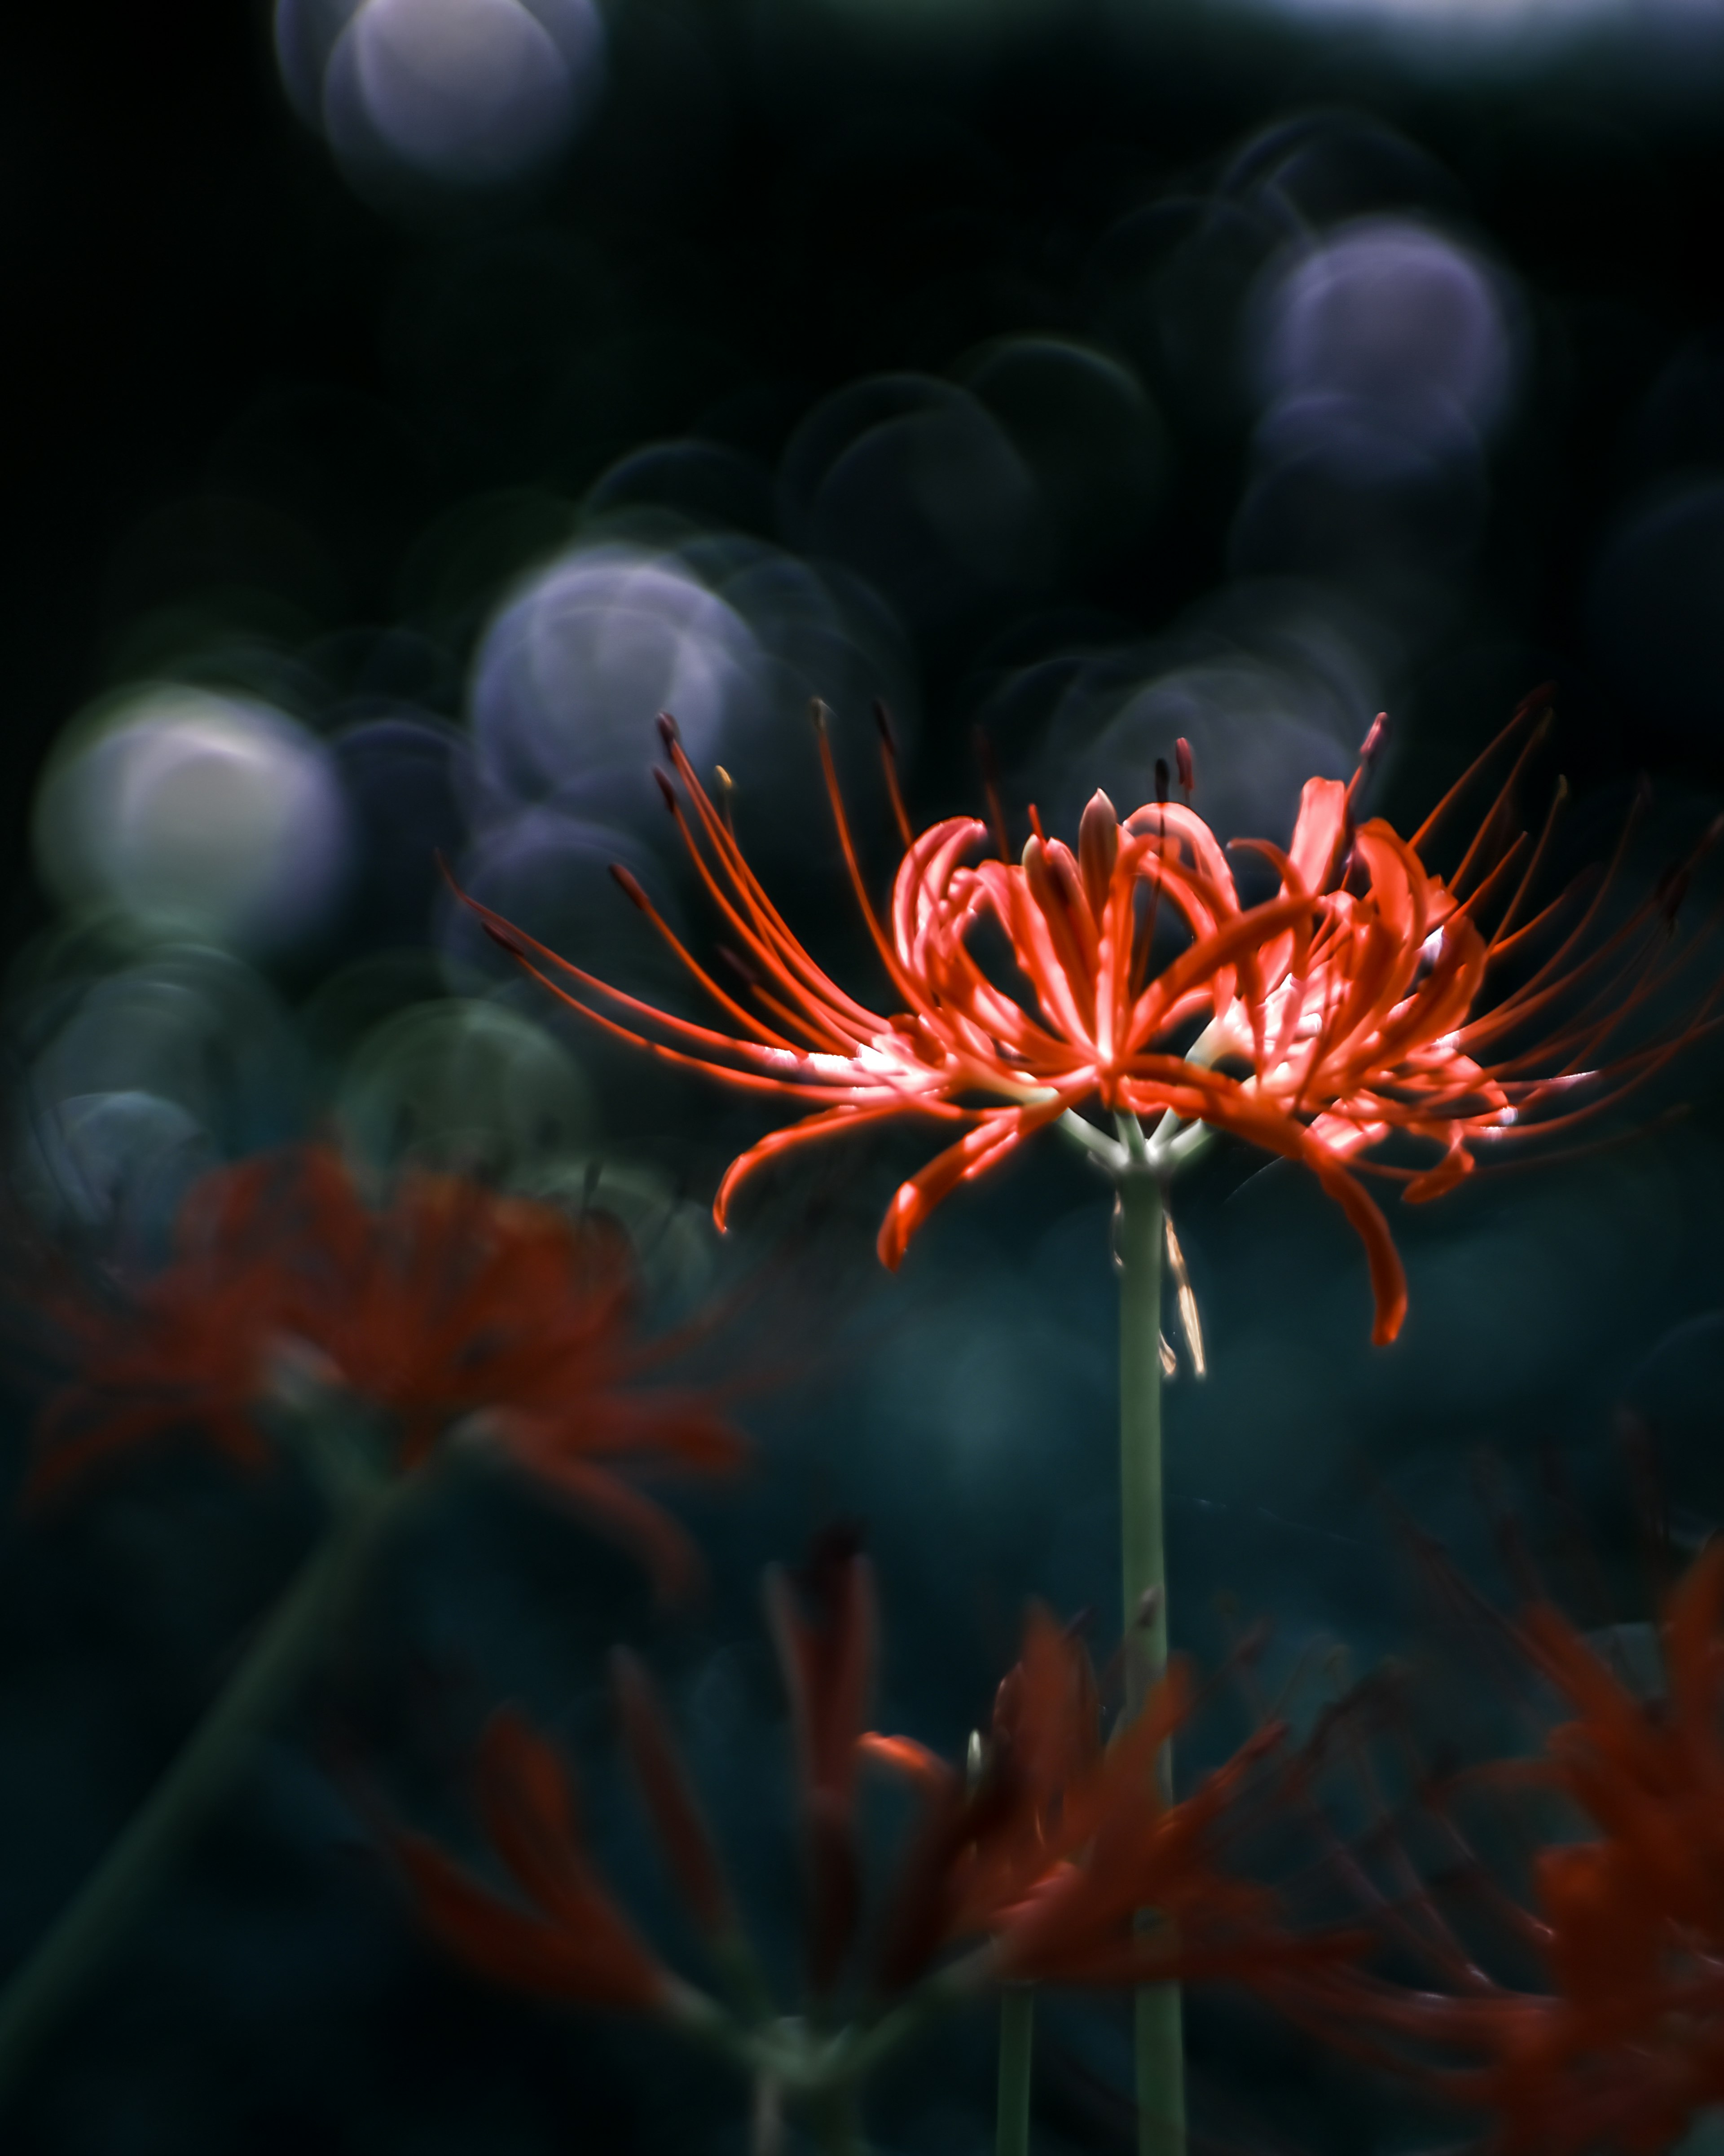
(211, 1761)
(1159, 2045)
(1016, 2051)
(839, 2128)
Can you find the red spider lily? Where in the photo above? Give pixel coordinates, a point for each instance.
(1046, 1861)
(576, 1945)
(1055, 1850)
(450, 1306)
(1627, 2042)
(1353, 1005)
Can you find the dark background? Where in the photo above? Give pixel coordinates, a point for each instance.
(270, 438)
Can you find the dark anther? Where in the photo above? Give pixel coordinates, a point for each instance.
(1188, 773)
(630, 887)
(669, 732)
(665, 787)
(1160, 781)
(503, 942)
(883, 720)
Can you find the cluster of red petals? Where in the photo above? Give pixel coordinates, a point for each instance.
(447, 1303)
(1352, 1006)
(1057, 1846)
(1626, 2041)
(1044, 1863)
(572, 1942)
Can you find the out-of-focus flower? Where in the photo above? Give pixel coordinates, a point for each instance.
(1626, 2042)
(1036, 1869)
(575, 1943)
(1055, 1848)
(1354, 1005)
(448, 1307)
(1631, 2041)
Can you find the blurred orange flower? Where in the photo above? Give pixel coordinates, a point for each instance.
(1352, 1005)
(449, 1306)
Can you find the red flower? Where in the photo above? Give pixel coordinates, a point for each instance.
(574, 1943)
(1632, 1922)
(1626, 2042)
(1039, 1867)
(451, 1306)
(1352, 1006)
(1057, 1844)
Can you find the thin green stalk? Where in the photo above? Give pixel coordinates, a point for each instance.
(838, 2126)
(1016, 2051)
(211, 1761)
(1158, 2044)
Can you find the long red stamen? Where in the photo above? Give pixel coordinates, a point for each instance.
(1534, 703)
(1499, 807)
(889, 764)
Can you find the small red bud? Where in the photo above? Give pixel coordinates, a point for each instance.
(1188, 775)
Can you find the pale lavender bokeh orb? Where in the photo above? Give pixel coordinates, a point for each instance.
(196, 815)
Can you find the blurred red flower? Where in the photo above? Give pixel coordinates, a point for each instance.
(575, 1943)
(1039, 1865)
(1352, 1006)
(1625, 2041)
(1054, 1844)
(448, 1306)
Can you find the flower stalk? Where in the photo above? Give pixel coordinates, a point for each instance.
(212, 1761)
(1017, 2050)
(1158, 2042)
